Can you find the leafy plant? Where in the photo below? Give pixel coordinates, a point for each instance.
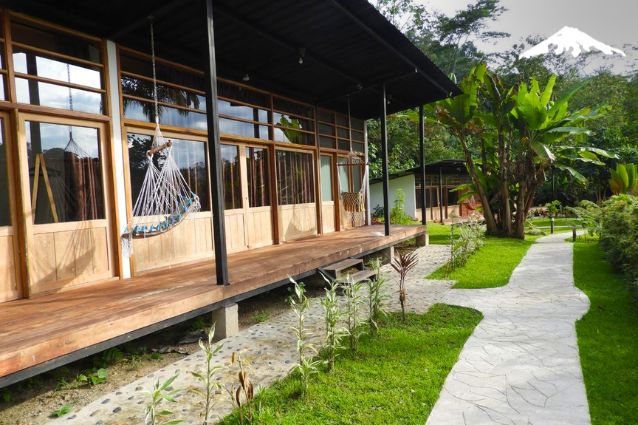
(306, 365)
(93, 377)
(160, 393)
(397, 213)
(590, 216)
(403, 263)
(624, 179)
(244, 392)
(465, 239)
(354, 301)
(62, 411)
(260, 316)
(207, 378)
(619, 234)
(376, 296)
(6, 395)
(333, 341)
(554, 207)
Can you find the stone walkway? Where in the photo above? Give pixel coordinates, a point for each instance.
(521, 365)
(268, 346)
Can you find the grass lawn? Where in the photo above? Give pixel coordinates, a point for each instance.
(544, 223)
(607, 338)
(491, 266)
(439, 233)
(394, 378)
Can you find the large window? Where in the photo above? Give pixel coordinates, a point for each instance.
(189, 155)
(326, 178)
(231, 176)
(295, 178)
(65, 172)
(294, 122)
(5, 218)
(258, 177)
(342, 173)
(56, 69)
(243, 112)
(180, 92)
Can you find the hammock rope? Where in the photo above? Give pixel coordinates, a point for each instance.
(165, 197)
(354, 203)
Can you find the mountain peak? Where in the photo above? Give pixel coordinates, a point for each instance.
(570, 40)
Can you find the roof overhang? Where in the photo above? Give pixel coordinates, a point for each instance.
(348, 48)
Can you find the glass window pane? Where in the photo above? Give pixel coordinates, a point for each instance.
(144, 89)
(290, 135)
(326, 178)
(326, 129)
(357, 136)
(343, 133)
(143, 66)
(356, 178)
(258, 177)
(295, 178)
(145, 111)
(344, 145)
(358, 147)
(293, 107)
(327, 142)
(55, 69)
(5, 218)
(241, 93)
(231, 177)
(325, 116)
(67, 163)
(357, 124)
(242, 111)
(290, 121)
(189, 155)
(342, 170)
(52, 40)
(243, 129)
(54, 96)
(342, 120)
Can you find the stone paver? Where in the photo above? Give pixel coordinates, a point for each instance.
(268, 346)
(521, 364)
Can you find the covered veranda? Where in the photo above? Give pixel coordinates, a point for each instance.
(342, 55)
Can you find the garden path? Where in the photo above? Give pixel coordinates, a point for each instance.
(269, 347)
(521, 365)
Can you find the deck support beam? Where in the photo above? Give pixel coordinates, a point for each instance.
(424, 219)
(214, 152)
(226, 320)
(384, 157)
(441, 194)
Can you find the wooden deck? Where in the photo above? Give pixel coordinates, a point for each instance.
(45, 332)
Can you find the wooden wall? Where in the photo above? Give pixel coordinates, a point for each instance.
(9, 284)
(328, 216)
(297, 221)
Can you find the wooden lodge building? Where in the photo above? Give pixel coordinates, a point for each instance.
(265, 105)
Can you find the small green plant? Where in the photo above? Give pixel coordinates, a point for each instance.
(354, 301)
(403, 263)
(465, 239)
(624, 179)
(62, 411)
(553, 208)
(207, 378)
(6, 395)
(260, 316)
(244, 393)
(93, 377)
(590, 216)
(333, 341)
(198, 324)
(160, 393)
(306, 365)
(397, 213)
(376, 296)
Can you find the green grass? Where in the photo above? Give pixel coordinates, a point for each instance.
(491, 266)
(607, 338)
(439, 233)
(544, 222)
(395, 377)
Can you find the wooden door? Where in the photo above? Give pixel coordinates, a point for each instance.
(248, 215)
(10, 282)
(327, 194)
(67, 202)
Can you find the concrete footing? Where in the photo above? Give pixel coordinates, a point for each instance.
(226, 321)
(423, 240)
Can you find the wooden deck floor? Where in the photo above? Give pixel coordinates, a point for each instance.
(44, 332)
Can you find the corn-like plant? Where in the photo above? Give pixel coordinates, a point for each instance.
(376, 296)
(335, 333)
(243, 393)
(155, 415)
(403, 263)
(207, 378)
(354, 300)
(306, 365)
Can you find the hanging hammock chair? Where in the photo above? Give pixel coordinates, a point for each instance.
(354, 203)
(165, 199)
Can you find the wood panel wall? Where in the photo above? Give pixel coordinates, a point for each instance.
(297, 221)
(328, 216)
(9, 284)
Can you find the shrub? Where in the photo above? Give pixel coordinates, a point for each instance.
(397, 213)
(619, 233)
(590, 216)
(465, 238)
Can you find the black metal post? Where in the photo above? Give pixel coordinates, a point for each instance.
(441, 193)
(384, 156)
(214, 153)
(424, 219)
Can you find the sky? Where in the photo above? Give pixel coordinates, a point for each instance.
(611, 21)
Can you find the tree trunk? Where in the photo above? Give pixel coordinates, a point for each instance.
(506, 219)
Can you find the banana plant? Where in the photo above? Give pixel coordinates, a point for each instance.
(624, 179)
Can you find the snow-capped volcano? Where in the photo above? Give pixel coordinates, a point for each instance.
(570, 40)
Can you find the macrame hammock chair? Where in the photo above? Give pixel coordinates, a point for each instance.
(354, 203)
(165, 199)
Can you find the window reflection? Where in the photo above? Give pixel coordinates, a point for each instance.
(295, 178)
(342, 170)
(65, 172)
(145, 111)
(141, 88)
(258, 180)
(54, 96)
(189, 155)
(326, 178)
(231, 177)
(243, 129)
(30, 63)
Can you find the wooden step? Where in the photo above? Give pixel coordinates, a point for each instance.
(335, 270)
(362, 275)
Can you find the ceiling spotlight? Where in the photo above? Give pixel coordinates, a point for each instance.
(302, 53)
(246, 77)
